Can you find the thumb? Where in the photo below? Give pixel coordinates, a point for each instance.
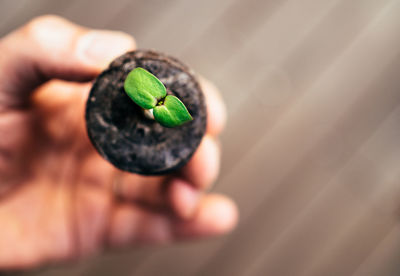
(51, 47)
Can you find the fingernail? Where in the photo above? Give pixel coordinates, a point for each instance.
(184, 198)
(191, 197)
(99, 48)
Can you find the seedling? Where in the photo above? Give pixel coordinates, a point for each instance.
(147, 91)
(136, 136)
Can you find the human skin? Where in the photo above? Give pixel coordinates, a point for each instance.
(57, 195)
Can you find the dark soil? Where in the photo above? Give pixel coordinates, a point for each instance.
(124, 136)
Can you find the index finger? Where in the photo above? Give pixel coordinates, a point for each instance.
(215, 108)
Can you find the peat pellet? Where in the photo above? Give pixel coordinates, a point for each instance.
(124, 136)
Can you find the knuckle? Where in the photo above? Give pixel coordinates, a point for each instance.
(39, 24)
(44, 20)
(49, 32)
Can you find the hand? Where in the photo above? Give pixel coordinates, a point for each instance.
(56, 192)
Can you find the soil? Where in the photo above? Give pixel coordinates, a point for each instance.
(122, 134)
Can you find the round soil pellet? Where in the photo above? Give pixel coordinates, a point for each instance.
(119, 129)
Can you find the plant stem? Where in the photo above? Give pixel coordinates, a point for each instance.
(148, 113)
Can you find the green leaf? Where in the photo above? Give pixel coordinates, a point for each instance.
(172, 112)
(144, 88)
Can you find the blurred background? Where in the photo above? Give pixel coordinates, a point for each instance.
(311, 151)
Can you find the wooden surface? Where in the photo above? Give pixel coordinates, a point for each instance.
(311, 151)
